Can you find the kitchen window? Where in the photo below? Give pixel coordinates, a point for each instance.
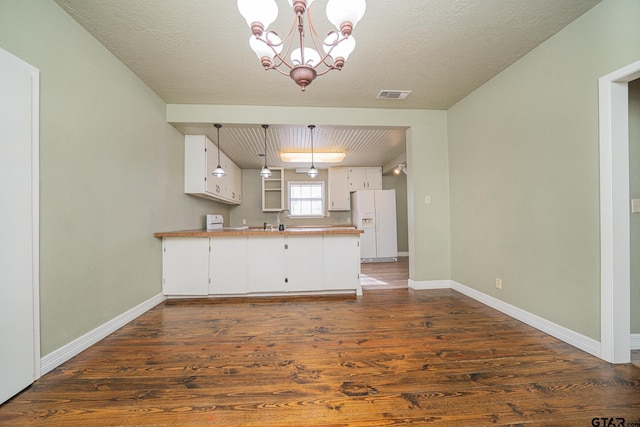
(306, 199)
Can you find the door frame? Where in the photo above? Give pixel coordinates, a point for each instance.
(615, 257)
(34, 75)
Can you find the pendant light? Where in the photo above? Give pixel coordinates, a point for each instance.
(313, 172)
(265, 172)
(218, 172)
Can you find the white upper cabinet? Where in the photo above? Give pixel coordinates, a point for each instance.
(200, 160)
(365, 178)
(339, 199)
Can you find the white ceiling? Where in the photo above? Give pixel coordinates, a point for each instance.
(197, 52)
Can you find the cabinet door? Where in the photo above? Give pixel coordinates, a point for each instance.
(374, 178)
(342, 262)
(234, 181)
(228, 265)
(305, 266)
(339, 199)
(266, 263)
(185, 266)
(357, 179)
(212, 183)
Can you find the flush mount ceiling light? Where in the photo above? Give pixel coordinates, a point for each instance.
(265, 172)
(305, 62)
(218, 171)
(306, 157)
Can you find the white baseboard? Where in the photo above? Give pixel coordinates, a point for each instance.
(429, 284)
(573, 338)
(403, 253)
(75, 347)
(635, 341)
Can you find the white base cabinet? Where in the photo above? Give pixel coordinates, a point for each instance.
(277, 264)
(228, 265)
(185, 266)
(340, 271)
(305, 263)
(265, 264)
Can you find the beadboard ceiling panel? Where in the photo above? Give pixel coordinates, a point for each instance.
(362, 146)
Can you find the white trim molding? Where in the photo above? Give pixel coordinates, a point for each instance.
(635, 341)
(429, 284)
(75, 347)
(568, 336)
(615, 317)
(573, 338)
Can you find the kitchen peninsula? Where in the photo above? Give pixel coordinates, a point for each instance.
(256, 262)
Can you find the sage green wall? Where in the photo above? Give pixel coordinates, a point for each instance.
(399, 183)
(634, 189)
(110, 174)
(524, 167)
(251, 207)
(429, 238)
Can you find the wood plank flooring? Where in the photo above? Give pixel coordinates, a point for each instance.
(385, 275)
(389, 357)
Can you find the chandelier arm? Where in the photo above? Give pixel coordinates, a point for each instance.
(329, 68)
(315, 39)
(314, 33)
(331, 63)
(280, 71)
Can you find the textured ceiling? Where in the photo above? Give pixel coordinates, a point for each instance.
(196, 51)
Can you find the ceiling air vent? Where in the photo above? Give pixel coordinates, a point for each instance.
(393, 94)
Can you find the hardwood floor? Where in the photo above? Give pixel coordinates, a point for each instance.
(385, 275)
(392, 356)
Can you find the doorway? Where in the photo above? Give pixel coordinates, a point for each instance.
(615, 261)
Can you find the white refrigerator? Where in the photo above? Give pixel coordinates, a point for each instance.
(374, 211)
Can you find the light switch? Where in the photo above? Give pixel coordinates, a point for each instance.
(427, 200)
(635, 205)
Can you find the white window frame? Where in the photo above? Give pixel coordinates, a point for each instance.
(322, 185)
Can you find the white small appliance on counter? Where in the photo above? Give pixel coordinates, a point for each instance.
(214, 222)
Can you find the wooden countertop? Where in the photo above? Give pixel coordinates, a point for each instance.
(258, 231)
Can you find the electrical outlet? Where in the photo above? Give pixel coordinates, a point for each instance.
(427, 200)
(244, 221)
(498, 283)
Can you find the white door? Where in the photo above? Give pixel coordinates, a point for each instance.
(19, 307)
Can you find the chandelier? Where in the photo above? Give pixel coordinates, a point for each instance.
(306, 63)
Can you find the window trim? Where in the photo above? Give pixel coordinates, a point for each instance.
(308, 182)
